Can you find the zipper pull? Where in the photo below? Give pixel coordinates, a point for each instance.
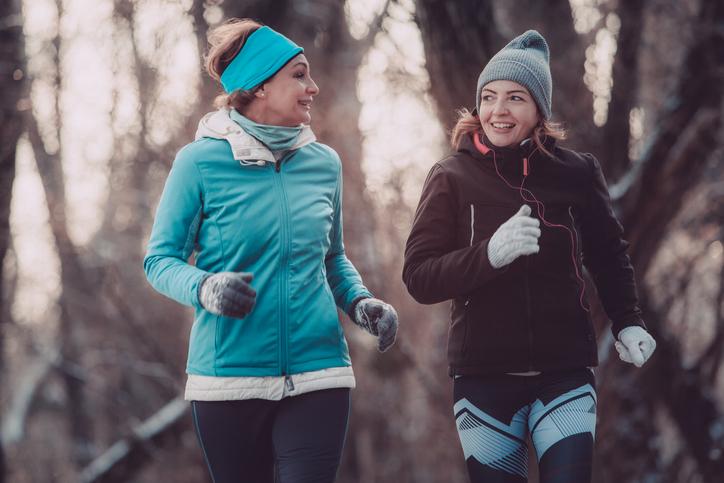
(289, 383)
(525, 166)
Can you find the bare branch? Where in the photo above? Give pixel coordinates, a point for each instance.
(124, 458)
(24, 393)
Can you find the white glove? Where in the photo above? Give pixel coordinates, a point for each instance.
(635, 346)
(517, 236)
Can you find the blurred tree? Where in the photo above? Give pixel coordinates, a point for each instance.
(12, 102)
(624, 92)
(459, 38)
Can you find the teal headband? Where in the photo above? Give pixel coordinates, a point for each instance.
(263, 54)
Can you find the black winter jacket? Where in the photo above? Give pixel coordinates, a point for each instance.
(531, 314)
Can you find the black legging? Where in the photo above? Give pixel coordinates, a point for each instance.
(296, 440)
(495, 413)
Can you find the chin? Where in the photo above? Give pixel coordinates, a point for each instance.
(302, 119)
(502, 142)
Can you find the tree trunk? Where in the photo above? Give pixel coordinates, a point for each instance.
(617, 133)
(12, 86)
(652, 193)
(688, 133)
(459, 38)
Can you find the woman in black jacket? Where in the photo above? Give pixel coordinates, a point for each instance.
(521, 343)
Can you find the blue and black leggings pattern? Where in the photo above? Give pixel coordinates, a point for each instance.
(496, 413)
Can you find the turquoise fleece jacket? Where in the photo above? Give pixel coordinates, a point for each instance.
(236, 206)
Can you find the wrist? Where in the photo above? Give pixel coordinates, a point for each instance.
(494, 257)
(630, 329)
(353, 307)
(200, 286)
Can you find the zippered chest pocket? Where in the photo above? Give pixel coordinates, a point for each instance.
(479, 221)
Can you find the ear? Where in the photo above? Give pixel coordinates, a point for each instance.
(260, 93)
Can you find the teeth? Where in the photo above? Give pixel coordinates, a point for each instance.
(502, 125)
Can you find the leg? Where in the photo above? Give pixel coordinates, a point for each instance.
(235, 437)
(563, 424)
(491, 413)
(308, 436)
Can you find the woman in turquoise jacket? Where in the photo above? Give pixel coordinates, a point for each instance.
(259, 203)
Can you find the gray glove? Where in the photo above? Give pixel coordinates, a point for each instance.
(517, 236)
(228, 294)
(379, 319)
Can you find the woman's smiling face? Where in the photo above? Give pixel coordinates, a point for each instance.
(508, 113)
(287, 96)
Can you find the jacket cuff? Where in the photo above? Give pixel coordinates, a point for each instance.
(197, 299)
(618, 326)
(353, 305)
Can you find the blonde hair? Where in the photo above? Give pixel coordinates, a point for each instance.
(468, 123)
(225, 41)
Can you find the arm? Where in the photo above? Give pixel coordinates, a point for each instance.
(604, 255)
(178, 218)
(434, 269)
(342, 276)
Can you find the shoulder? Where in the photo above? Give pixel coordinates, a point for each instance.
(576, 158)
(452, 166)
(324, 150)
(203, 149)
(449, 162)
(443, 175)
(323, 154)
(581, 163)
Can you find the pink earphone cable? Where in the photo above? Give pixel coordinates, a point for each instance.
(540, 208)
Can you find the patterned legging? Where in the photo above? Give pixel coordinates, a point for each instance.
(495, 414)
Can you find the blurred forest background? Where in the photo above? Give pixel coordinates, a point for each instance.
(98, 95)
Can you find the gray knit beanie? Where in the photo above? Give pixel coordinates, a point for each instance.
(524, 60)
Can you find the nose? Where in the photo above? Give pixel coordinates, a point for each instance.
(312, 88)
(500, 107)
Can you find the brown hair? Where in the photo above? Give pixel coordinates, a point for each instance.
(468, 123)
(225, 41)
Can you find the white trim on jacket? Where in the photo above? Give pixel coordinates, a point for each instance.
(273, 388)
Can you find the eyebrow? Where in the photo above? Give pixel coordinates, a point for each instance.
(302, 63)
(508, 92)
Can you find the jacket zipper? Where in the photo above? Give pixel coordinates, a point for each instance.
(289, 383)
(283, 289)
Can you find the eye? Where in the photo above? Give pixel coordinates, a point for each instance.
(299, 75)
(516, 98)
(487, 98)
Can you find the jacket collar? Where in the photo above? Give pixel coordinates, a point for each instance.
(245, 148)
(507, 158)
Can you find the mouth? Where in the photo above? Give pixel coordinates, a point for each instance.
(503, 126)
(306, 104)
